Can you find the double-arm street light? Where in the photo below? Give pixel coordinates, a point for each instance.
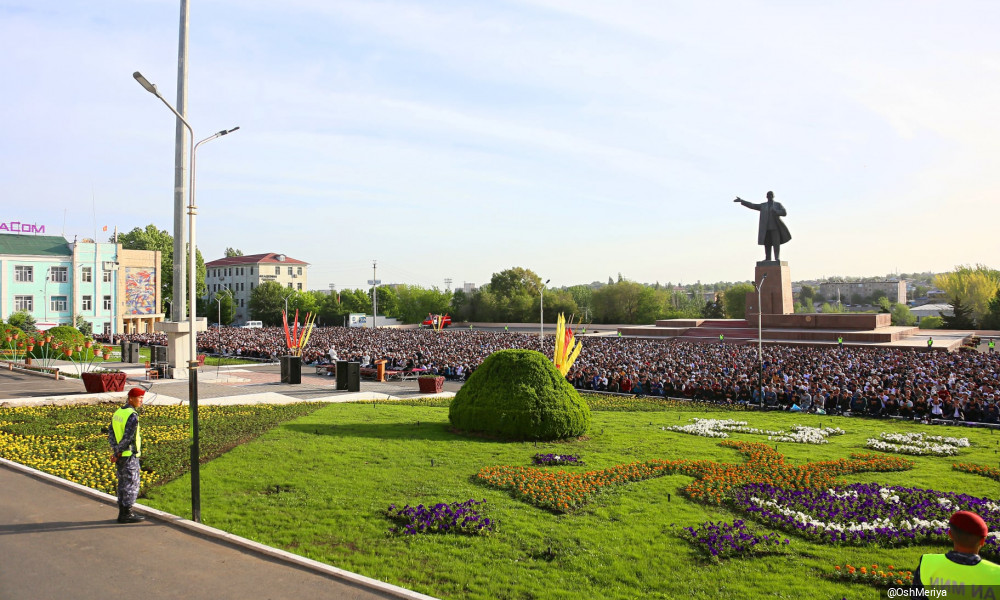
(760, 339)
(192, 298)
(218, 300)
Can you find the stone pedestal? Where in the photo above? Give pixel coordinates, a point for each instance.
(179, 345)
(775, 294)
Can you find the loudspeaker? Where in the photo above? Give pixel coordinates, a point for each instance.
(353, 377)
(341, 375)
(291, 369)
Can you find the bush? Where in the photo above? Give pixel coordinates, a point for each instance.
(519, 394)
(23, 320)
(61, 336)
(931, 323)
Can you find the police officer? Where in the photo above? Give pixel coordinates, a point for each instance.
(930, 342)
(840, 341)
(992, 346)
(722, 337)
(962, 569)
(126, 447)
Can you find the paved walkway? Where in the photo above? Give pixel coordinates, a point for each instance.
(60, 540)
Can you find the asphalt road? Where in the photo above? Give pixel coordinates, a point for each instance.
(20, 385)
(57, 543)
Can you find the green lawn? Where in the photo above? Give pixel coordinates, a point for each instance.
(319, 486)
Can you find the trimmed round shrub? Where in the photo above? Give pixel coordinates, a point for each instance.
(519, 394)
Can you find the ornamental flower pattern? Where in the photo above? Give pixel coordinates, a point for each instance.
(917, 444)
(560, 491)
(866, 513)
(721, 428)
(548, 460)
(725, 540)
(458, 517)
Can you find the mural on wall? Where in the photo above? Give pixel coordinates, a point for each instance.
(140, 291)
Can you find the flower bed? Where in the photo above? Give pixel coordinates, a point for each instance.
(872, 575)
(715, 482)
(548, 460)
(721, 428)
(975, 469)
(726, 540)
(459, 517)
(917, 444)
(865, 513)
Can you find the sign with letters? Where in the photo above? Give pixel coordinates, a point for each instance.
(19, 227)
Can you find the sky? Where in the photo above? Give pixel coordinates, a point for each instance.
(577, 138)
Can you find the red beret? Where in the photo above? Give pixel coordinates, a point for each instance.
(136, 393)
(969, 522)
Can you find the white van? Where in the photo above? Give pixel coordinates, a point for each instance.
(253, 325)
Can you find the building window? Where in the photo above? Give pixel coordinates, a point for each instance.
(107, 329)
(87, 274)
(277, 270)
(24, 303)
(58, 304)
(106, 277)
(300, 271)
(251, 270)
(24, 274)
(107, 303)
(289, 270)
(87, 304)
(241, 302)
(300, 285)
(289, 285)
(251, 286)
(59, 274)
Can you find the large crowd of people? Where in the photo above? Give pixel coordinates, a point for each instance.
(872, 381)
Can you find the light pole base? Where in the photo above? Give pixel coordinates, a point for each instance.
(179, 345)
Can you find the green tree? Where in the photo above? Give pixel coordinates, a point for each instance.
(920, 291)
(583, 295)
(902, 316)
(992, 318)
(627, 302)
(517, 291)
(222, 303)
(414, 303)
(714, 309)
(267, 302)
(23, 320)
(883, 304)
(807, 296)
(231, 252)
(969, 290)
(84, 326)
(152, 238)
(735, 300)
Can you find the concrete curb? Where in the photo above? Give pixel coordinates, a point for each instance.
(228, 538)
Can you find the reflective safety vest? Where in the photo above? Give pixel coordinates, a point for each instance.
(118, 421)
(991, 344)
(930, 342)
(963, 581)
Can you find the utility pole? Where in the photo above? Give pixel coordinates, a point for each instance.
(374, 283)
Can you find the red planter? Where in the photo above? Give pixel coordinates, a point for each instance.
(431, 385)
(98, 383)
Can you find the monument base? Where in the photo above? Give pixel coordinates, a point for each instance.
(179, 344)
(776, 290)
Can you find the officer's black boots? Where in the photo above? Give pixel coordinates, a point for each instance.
(125, 515)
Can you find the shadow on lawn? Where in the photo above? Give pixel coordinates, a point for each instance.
(415, 430)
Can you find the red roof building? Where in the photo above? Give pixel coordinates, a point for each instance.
(241, 274)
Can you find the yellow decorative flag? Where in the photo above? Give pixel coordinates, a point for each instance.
(566, 351)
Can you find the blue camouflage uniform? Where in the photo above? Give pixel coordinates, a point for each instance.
(127, 467)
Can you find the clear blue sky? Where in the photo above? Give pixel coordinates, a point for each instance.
(576, 138)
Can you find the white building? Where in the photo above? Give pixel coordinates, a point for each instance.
(241, 274)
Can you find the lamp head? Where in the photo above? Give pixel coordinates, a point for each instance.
(151, 88)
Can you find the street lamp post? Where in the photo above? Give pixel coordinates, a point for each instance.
(541, 310)
(760, 340)
(218, 301)
(192, 299)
